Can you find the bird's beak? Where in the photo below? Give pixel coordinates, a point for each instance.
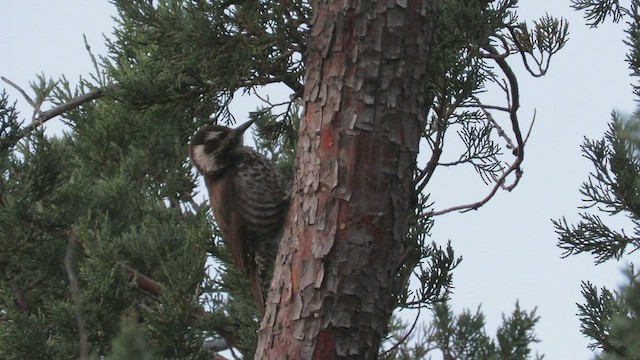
(242, 128)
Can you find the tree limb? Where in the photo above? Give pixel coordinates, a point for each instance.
(517, 148)
(142, 282)
(21, 91)
(75, 295)
(44, 116)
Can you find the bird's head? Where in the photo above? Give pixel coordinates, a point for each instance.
(214, 147)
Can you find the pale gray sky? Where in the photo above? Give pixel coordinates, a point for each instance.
(509, 246)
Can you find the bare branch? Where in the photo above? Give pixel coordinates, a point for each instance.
(495, 124)
(44, 116)
(62, 108)
(517, 148)
(24, 94)
(194, 204)
(474, 206)
(515, 100)
(142, 282)
(485, 107)
(405, 337)
(75, 295)
(533, 121)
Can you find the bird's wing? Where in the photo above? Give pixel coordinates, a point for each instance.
(262, 198)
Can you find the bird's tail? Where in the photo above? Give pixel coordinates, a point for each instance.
(256, 288)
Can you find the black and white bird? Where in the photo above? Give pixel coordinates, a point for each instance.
(248, 198)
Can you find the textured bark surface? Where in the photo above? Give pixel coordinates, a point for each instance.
(337, 270)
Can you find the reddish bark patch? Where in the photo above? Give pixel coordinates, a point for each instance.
(325, 346)
(327, 141)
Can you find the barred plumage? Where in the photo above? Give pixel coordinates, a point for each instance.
(248, 199)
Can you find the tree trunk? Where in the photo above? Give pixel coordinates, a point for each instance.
(337, 273)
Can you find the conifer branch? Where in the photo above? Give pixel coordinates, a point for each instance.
(517, 147)
(61, 109)
(40, 117)
(155, 289)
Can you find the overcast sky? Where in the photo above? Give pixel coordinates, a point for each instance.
(509, 246)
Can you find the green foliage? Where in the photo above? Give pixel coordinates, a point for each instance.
(612, 188)
(596, 11)
(200, 53)
(463, 336)
(118, 185)
(610, 319)
(472, 43)
(130, 344)
(9, 126)
(428, 263)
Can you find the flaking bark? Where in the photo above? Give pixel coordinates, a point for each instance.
(336, 276)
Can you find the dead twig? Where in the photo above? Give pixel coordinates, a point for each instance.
(24, 94)
(75, 295)
(499, 183)
(44, 116)
(495, 124)
(405, 337)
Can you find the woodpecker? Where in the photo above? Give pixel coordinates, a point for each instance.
(248, 198)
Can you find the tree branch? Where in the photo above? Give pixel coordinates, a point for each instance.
(75, 295)
(474, 206)
(142, 282)
(425, 175)
(517, 147)
(405, 337)
(21, 91)
(20, 301)
(44, 116)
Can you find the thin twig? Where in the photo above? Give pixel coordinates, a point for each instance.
(268, 102)
(425, 175)
(483, 106)
(526, 138)
(24, 94)
(194, 204)
(517, 147)
(474, 206)
(405, 337)
(75, 295)
(44, 116)
(495, 124)
(523, 53)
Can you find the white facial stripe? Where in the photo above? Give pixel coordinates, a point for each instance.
(211, 135)
(205, 162)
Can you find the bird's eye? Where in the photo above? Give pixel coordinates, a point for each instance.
(211, 145)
